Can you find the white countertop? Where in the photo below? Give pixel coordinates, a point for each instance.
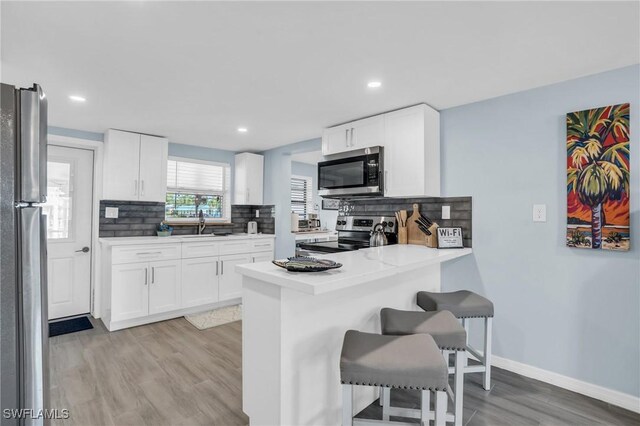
(118, 241)
(359, 266)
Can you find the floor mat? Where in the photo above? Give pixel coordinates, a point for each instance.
(69, 326)
(216, 317)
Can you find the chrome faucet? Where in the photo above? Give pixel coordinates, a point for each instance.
(201, 225)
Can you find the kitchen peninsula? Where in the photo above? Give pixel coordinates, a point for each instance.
(294, 324)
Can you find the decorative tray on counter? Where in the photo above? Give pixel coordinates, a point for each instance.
(306, 264)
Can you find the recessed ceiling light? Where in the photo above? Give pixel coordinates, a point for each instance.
(374, 84)
(77, 98)
(242, 129)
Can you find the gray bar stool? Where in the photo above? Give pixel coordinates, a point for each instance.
(465, 305)
(448, 334)
(403, 362)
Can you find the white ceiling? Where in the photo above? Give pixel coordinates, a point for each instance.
(197, 71)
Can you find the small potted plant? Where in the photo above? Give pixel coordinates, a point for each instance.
(164, 230)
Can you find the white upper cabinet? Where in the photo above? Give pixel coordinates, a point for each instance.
(411, 141)
(336, 139)
(135, 167)
(355, 135)
(367, 132)
(153, 168)
(412, 152)
(248, 182)
(121, 166)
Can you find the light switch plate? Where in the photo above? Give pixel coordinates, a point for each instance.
(446, 212)
(111, 212)
(257, 213)
(539, 212)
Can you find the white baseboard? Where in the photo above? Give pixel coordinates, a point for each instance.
(610, 396)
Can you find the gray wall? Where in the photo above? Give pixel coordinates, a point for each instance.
(277, 181)
(566, 310)
(327, 217)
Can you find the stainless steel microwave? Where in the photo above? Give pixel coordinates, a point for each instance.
(353, 173)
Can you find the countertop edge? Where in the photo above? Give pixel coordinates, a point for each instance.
(122, 241)
(337, 283)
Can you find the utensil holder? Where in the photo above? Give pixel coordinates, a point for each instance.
(403, 237)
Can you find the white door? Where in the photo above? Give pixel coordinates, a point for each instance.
(164, 286)
(129, 291)
(230, 280)
(199, 281)
(69, 215)
(153, 168)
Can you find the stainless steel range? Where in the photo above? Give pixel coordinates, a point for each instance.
(353, 234)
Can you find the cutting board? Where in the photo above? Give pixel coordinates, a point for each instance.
(415, 235)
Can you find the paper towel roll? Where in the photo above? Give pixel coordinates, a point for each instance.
(294, 221)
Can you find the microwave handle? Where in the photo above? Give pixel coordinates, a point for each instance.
(384, 181)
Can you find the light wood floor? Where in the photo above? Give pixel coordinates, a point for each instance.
(171, 373)
(167, 373)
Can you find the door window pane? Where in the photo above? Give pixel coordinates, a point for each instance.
(59, 200)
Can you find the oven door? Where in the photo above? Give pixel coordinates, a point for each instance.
(353, 173)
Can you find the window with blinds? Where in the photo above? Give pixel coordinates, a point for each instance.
(301, 195)
(194, 186)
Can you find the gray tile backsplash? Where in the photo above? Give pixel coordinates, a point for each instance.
(135, 218)
(139, 218)
(461, 210)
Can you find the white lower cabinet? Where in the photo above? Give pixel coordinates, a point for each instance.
(199, 281)
(147, 283)
(129, 291)
(230, 280)
(164, 286)
(262, 257)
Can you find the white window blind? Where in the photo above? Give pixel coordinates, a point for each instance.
(301, 195)
(197, 186)
(197, 177)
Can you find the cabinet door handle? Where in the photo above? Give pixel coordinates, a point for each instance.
(346, 138)
(216, 268)
(146, 276)
(351, 136)
(248, 194)
(149, 253)
(153, 274)
(142, 187)
(135, 187)
(222, 267)
(254, 259)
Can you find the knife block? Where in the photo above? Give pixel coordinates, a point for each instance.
(416, 236)
(432, 240)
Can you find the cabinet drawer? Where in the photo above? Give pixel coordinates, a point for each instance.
(233, 247)
(130, 254)
(262, 245)
(199, 249)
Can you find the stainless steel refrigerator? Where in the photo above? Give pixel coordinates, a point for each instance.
(24, 334)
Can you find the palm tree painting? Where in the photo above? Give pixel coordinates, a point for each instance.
(598, 178)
